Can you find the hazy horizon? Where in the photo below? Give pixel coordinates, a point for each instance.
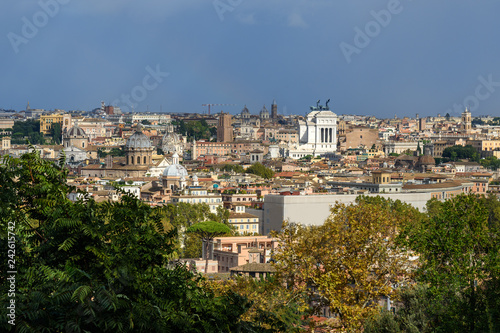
(382, 58)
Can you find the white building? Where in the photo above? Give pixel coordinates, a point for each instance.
(212, 200)
(317, 134)
(315, 209)
(398, 147)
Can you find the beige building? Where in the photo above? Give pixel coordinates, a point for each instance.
(244, 222)
(360, 137)
(92, 127)
(6, 143)
(288, 136)
(47, 120)
(483, 146)
(6, 123)
(231, 252)
(399, 147)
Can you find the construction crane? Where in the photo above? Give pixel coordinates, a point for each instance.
(209, 105)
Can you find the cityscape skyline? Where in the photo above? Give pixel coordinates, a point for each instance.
(381, 59)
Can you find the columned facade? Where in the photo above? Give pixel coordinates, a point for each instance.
(317, 134)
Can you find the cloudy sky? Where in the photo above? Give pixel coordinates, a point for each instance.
(381, 58)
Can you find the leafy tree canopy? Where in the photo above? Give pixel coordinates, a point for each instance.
(207, 231)
(459, 152)
(98, 267)
(27, 130)
(260, 170)
(353, 259)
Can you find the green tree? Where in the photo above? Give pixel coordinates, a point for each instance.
(455, 153)
(207, 231)
(353, 259)
(56, 133)
(97, 267)
(260, 170)
(27, 130)
(181, 216)
(419, 150)
(274, 307)
(412, 314)
(459, 251)
(101, 153)
(490, 162)
(233, 168)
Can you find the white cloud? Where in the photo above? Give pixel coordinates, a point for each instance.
(296, 20)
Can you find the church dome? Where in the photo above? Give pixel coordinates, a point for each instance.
(264, 113)
(426, 160)
(175, 170)
(75, 131)
(138, 140)
(245, 113)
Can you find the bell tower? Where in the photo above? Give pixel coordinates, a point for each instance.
(466, 121)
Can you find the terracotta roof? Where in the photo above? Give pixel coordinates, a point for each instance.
(242, 216)
(431, 186)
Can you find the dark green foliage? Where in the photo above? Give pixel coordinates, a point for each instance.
(209, 229)
(412, 313)
(479, 121)
(196, 130)
(459, 249)
(260, 170)
(113, 152)
(456, 153)
(233, 168)
(490, 162)
(27, 130)
(98, 267)
(56, 132)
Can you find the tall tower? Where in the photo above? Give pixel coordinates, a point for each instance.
(224, 128)
(274, 110)
(466, 121)
(194, 152)
(421, 124)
